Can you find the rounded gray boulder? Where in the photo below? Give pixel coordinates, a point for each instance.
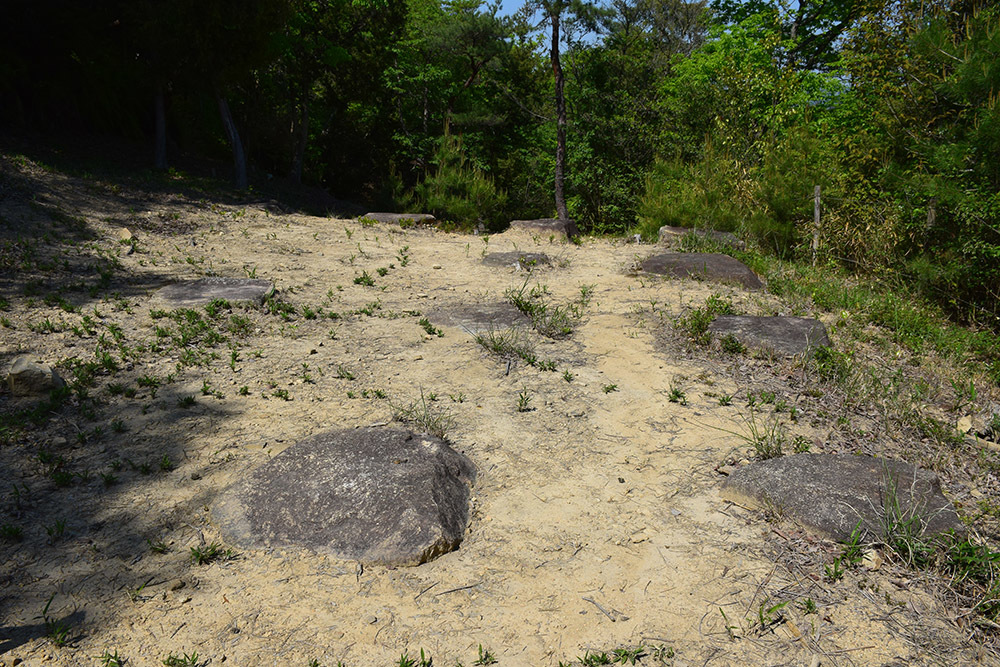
(375, 495)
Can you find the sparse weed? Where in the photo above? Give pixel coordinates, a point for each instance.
(204, 554)
(186, 660)
(731, 344)
(427, 415)
(11, 532)
(430, 328)
(524, 401)
(56, 530)
(695, 324)
(507, 343)
(676, 394)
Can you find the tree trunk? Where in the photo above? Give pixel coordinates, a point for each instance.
(239, 158)
(560, 121)
(301, 139)
(160, 140)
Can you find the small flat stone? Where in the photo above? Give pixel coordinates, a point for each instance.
(706, 266)
(784, 335)
(546, 226)
(30, 378)
(523, 261)
(831, 493)
(203, 291)
(400, 218)
(374, 495)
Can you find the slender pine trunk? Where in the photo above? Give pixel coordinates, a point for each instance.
(239, 157)
(560, 122)
(160, 140)
(301, 139)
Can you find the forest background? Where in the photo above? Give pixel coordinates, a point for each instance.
(723, 115)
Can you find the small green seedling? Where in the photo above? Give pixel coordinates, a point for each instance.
(109, 659)
(181, 661)
(608, 388)
(485, 657)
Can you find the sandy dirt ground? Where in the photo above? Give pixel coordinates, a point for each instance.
(596, 522)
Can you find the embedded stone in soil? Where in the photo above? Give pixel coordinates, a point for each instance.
(705, 266)
(524, 261)
(374, 495)
(30, 378)
(400, 218)
(784, 335)
(204, 291)
(830, 493)
(479, 318)
(545, 226)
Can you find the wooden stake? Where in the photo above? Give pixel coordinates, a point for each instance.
(815, 247)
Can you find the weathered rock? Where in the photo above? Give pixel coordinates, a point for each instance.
(784, 335)
(671, 236)
(831, 493)
(30, 378)
(401, 218)
(524, 261)
(203, 291)
(705, 266)
(546, 226)
(482, 317)
(374, 495)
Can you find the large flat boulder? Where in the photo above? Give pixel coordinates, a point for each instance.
(400, 218)
(831, 493)
(374, 495)
(546, 227)
(30, 378)
(522, 261)
(785, 335)
(480, 317)
(703, 266)
(671, 236)
(201, 292)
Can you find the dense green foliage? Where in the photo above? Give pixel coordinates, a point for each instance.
(679, 112)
